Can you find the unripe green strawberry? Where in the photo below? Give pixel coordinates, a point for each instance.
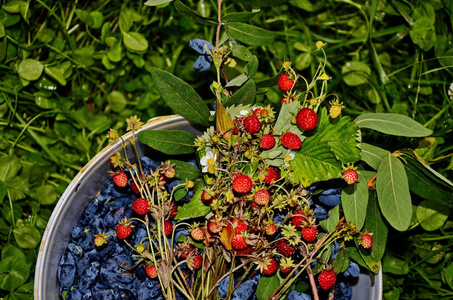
(100, 239)
(251, 124)
(307, 118)
(242, 183)
(262, 197)
(120, 179)
(335, 111)
(291, 141)
(140, 206)
(285, 83)
(327, 279)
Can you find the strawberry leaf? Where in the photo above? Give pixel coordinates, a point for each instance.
(194, 208)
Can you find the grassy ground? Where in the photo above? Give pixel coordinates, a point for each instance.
(70, 70)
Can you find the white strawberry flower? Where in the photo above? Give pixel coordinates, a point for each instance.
(208, 162)
(289, 157)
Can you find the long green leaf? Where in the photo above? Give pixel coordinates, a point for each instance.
(377, 226)
(245, 95)
(267, 286)
(172, 142)
(354, 200)
(372, 155)
(181, 97)
(393, 193)
(249, 34)
(192, 15)
(393, 124)
(185, 170)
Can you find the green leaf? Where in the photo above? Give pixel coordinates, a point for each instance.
(30, 69)
(185, 170)
(46, 35)
(372, 155)
(285, 115)
(194, 208)
(135, 42)
(14, 271)
(394, 265)
(423, 33)
(9, 167)
(377, 226)
(354, 201)
(237, 81)
(115, 53)
(245, 95)
(449, 275)
(241, 52)
(267, 286)
(193, 15)
(393, 124)
(27, 236)
(157, 2)
(242, 17)
(56, 74)
(252, 67)
(181, 97)
(341, 261)
(393, 193)
(170, 142)
(261, 3)
(432, 215)
(303, 61)
(322, 154)
(46, 194)
(3, 190)
(426, 183)
(117, 101)
(249, 34)
(331, 222)
(355, 73)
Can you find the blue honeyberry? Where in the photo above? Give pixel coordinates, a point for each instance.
(74, 294)
(353, 270)
(320, 213)
(245, 290)
(330, 197)
(66, 271)
(89, 277)
(343, 291)
(294, 295)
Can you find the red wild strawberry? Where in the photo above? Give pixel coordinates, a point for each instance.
(186, 250)
(237, 123)
(269, 267)
(309, 234)
(271, 229)
(168, 227)
(350, 176)
(267, 141)
(196, 261)
(272, 175)
(252, 124)
(366, 240)
(238, 242)
(213, 226)
(173, 210)
(291, 141)
(307, 118)
(120, 179)
(239, 226)
(298, 219)
(245, 251)
(151, 271)
(262, 197)
(135, 188)
(285, 270)
(124, 229)
(207, 196)
(285, 83)
(197, 234)
(242, 183)
(327, 279)
(140, 206)
(284, 248)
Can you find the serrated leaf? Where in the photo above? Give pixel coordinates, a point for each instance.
(245, 95)
(192, 15)
(185, 170)
(181, 97)
(354, 201)
(372, 155)
(267, 286)
(393, 124)
(377, 226)
(393, 193)
(172, 142)
(249, 34)
(194, 208)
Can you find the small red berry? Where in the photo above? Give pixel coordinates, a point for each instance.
(207, 197)
(267, 141)
(196, 262)
(238, 242)
(151, 271)
(213, 227)
(123, 231)
(239, 226)
(291, 141)
(140, 206)
(272, 175)
(262, 197)
(186, 251)
(135, 188)
(271, 229)
(309, 234)
(350, 176)
(327, 279)
(252, 124)
(307, 118)
(285, 270)
(120, 179)
(284, 248)
(284, 82)
(197, 234)
(298, 219)
(173, 211)
(269, 267)
(245, 251)
(366, 240)
(168, 227)
(242, 183)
